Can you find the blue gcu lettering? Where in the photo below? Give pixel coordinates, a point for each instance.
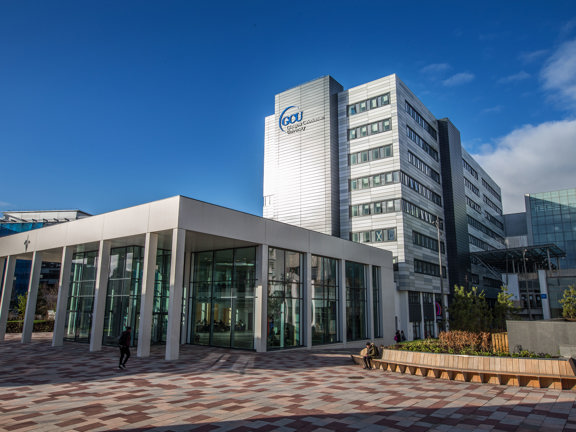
(288, 119)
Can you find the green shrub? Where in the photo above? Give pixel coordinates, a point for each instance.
(464, 343)
(39, 326)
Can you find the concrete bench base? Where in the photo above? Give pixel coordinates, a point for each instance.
(558, 374)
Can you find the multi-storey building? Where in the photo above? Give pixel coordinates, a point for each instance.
(372, 164)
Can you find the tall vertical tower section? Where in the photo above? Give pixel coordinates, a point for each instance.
(301, 175)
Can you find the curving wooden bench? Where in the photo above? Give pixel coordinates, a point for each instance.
(524, 372)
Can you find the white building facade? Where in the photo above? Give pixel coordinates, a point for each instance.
(183, 271)
(390, 189)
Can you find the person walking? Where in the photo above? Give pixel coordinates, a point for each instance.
(124, 344)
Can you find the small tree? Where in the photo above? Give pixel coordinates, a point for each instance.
(21, 307)
(469, 310)
(504, 308)
(568, 303)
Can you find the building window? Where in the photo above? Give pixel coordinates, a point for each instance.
(471, 186)
(370, 129)
(493, 206)
(491, 190)
(414, 160)
(473, 205)
(427, 242)
(420, 120)
(355, 301)
(376, 309)
(284, 299)
(325, 300)
(373, 154)
(414, 210)
(469, 168)
(123, 294)
(484, 229)
(494, 221)
(223, 298)
(81, 297)
(421, 189)
(415, 313)
(387, 206)
(380, 235)
(369, 104)
(431, 151)
(479, 243)
(375, 180)
(428, 268)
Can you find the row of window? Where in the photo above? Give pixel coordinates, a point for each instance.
(372, 154)
(374, 236)
(378, 207)
(483, 228)
(421, 189)
(494, 221)
(469, 168)
(471, 186)
(492, 205)
(479, 243)
(368, 104)
(370, 129)
(418, 118)
(428, 268)
(491, 190)
(423, 144)
(473, 205)
(392, 206)
(419, 213)
(414, 160)
(427, 242)
(375, 180)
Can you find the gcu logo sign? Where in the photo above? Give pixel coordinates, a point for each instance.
(287, 119)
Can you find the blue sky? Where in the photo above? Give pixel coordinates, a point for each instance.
(108, 104)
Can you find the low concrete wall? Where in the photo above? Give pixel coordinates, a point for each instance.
(541, 336)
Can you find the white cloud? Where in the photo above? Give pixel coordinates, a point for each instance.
(494, 109)
(532, 56)
(532, 159)
(559, 73)
(520, 76)
(436, 68)
(458, 79)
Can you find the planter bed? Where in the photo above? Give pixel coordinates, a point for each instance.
(525, 372)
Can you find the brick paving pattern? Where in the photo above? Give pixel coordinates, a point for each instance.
(211, 389)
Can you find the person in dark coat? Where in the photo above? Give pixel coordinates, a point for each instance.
(371, 352)
(124, 344)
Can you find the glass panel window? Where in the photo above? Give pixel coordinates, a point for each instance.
(222, 298)
(355, 301)
(284, 303)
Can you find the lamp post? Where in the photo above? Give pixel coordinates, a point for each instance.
(442, 299)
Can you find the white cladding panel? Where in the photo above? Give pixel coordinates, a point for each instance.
(298, 169)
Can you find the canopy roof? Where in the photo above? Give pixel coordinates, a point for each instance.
(535, 255)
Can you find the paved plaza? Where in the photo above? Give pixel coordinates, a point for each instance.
(210, 389)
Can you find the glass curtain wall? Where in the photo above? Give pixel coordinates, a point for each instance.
(81, 297)
(223, 298)
(415, 314)
(355, 301)
(428, 304)
(284, 329)
(377, 309)
(123, 296)
(325, 300)
(161, 297)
